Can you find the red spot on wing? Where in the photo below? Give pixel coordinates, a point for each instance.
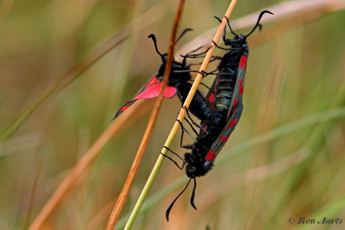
(213, 156)
(204, 127)
(124, 108)
(236, 120)
(212, 98)
(231, 124)
(209, 155)
(224, 139)
(243, 61)
(240, 84)
(234, 107)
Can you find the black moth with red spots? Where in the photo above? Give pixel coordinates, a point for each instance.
(179, 83)
(225, 102)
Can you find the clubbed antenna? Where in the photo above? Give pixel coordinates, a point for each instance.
(193, 195)
(227, 19)
(182, 33)
(172, 203)
(258, 22)
(224, 32)
(153, 37)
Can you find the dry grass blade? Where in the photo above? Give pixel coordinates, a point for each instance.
(126, 188)
(150, 16)
(83, 164)
(180, 117)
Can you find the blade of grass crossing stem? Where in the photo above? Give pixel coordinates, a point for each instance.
(176, 126)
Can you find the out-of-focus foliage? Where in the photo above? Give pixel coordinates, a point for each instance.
(297, 74)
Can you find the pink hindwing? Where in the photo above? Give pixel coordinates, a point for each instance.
(150, 90)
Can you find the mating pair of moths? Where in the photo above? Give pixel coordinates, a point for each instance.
(219, 112)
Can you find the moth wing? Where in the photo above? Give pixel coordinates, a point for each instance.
(234, 112)
(150, 90)
(224, 135)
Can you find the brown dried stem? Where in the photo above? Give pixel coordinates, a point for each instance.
(134, 168)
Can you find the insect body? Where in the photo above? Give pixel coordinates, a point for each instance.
(179, 83)
(225, 100)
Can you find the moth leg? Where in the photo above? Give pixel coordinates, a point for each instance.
(184, 130)
(190, 71)
(214, 58)
(193, 55)
(190, 54)
(176, 154)
(224, 32)
(194, 123)
(219, 47)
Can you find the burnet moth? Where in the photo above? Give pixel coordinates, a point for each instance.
(225, 102)
(179, 83)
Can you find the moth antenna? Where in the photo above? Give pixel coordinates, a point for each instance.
(172, 203)
(220, 21)
(258, 21)
(260, 27)
(153, 37)
(227, 19)
(182, 33)
(193, 195)
(224, 32)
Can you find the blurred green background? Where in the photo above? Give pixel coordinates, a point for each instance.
(294, 80)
